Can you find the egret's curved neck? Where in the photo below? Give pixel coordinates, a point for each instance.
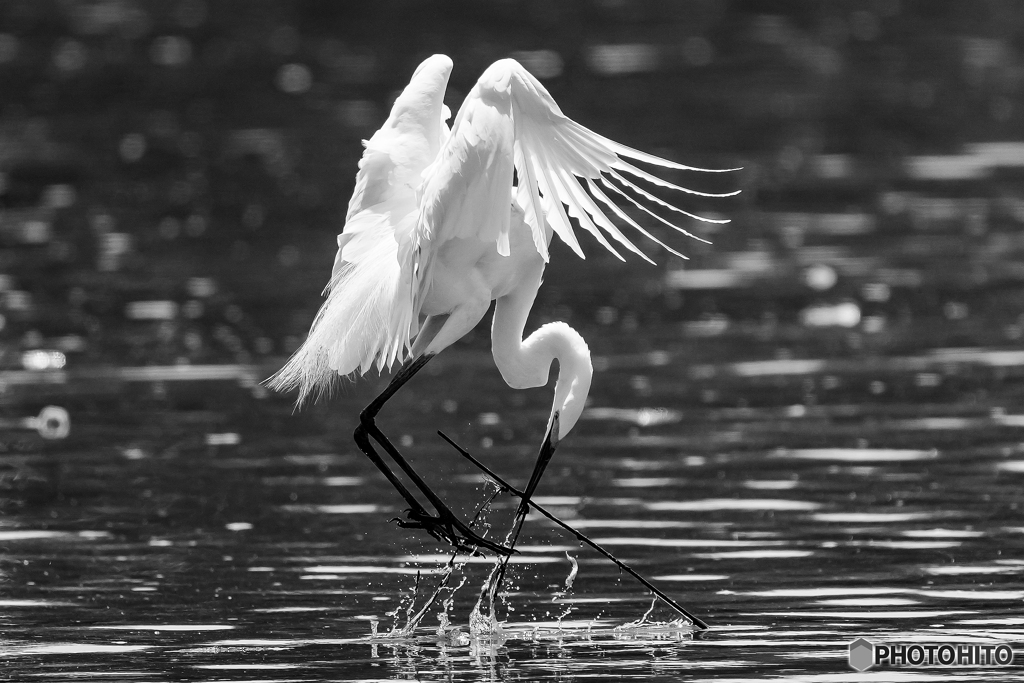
(527, 363)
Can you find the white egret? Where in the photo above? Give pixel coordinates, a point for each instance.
(443, 222)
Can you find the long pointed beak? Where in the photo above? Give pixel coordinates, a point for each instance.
(547, 449)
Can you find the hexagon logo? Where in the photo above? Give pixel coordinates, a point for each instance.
(862, 654)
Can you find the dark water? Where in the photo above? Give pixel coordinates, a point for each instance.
(811, 433)
(795, 501)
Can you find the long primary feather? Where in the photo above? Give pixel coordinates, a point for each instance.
(561, 159)
(421, 184)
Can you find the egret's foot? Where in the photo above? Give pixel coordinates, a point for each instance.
(446, 527)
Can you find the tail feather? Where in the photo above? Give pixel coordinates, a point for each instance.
(366, 320)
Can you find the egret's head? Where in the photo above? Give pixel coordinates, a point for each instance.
(575, 372)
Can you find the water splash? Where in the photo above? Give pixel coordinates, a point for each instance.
(479, 626)
(646, 628)
(567, 590)
(572, 572)
(642, 620)
(485, 628)
(413, 618)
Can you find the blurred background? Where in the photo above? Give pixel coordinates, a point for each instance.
(814, 422)
(173, 174)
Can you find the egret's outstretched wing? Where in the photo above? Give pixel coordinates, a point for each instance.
(408, 142)
(368, 318)
(467, 191)
(558, 159)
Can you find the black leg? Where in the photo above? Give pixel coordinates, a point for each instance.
(444, 526)
(547, 449)
(505, 486)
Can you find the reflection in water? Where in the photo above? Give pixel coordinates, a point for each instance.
(790, 540)
(808, 433)
(877, 517)
(755, 554)
(857, 454)
(754, 504)
(73, 649)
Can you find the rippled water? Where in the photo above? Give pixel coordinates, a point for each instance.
(236, 541)
(810, 432)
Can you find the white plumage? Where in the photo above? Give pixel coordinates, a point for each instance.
(434, 221)
(437, 229)
(368, 317)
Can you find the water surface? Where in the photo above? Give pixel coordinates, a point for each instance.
(223, 548)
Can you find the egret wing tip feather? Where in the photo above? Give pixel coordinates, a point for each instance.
(553, 154)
